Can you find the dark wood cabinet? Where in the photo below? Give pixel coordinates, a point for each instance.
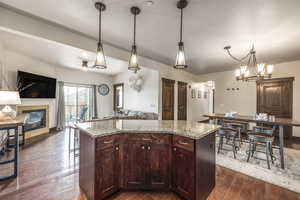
(275, 97)
(159, 166)
(146, 164)
(147, 161)
(183, 177)
(134, 165)
(107, 171)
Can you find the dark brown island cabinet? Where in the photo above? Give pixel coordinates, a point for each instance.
(141, 161)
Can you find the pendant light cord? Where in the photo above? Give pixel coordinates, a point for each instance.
(181, 23)
(134, 29)
(100, 26)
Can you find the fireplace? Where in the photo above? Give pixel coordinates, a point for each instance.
(37, 120)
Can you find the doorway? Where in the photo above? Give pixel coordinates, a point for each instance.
(78, 103)
(182, 101)
(167, 99)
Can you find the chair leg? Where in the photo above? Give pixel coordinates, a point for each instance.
(220, 144)
(271, 152)
(249, 150)
(69, 140)
(267, 154)
(253, 148)
(233, 148)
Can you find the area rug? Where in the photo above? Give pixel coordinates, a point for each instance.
(288, 178)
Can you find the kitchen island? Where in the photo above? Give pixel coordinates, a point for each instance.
(118, 155)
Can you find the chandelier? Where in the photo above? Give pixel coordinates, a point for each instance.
(251, 71)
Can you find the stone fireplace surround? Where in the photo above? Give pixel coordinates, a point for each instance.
(39, 131)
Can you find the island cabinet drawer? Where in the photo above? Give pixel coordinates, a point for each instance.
(138, 137)
(161, 138)
(107, 141)
(183, 142)
(149, 138)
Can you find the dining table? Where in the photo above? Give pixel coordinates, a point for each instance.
(280, 122)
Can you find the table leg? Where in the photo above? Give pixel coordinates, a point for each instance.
(281, 146)
(16, 152)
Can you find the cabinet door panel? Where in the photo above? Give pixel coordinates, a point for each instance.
(134, 165)
(183, 166)
(106, 172)
(159, 166)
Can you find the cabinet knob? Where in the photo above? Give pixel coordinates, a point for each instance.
(117, 148)
(149, 148)
(143, 147)
(174, 149)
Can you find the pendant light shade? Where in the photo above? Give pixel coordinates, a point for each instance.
(180, 58)
(100, 62)
(133, 60)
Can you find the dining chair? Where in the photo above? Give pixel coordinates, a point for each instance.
(229, 134)
(264, 136)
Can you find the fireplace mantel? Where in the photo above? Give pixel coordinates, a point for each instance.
(38, 131)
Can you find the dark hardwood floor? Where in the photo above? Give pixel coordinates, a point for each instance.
(48, 172)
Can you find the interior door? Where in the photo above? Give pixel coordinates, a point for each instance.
(168, 99)
(182, 101)
(275, 97)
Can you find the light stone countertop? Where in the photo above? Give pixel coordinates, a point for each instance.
(190, 129)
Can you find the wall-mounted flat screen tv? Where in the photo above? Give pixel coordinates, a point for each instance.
(35, 86)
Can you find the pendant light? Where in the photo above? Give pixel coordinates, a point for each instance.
(180, 59)
(100, 62)
(133, 61)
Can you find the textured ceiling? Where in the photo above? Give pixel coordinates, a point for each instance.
(209, 25)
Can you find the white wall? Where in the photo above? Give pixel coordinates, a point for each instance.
(15, 61)
(244, 100)
(147, 99)
(199, 106)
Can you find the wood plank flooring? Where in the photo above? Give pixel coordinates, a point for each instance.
(48, 172)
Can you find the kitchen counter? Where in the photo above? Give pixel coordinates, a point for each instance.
(155, 155)
(193, 130)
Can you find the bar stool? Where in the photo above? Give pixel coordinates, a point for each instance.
(228, 133)
(262, 135)
(73, 128)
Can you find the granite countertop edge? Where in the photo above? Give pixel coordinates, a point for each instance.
(93, 133)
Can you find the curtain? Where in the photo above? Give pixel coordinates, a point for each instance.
(94, 103)
(60, 124)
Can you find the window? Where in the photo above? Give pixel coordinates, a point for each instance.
(78, 103)
(118, 96)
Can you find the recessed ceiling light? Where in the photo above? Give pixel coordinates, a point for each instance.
(149, 3)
